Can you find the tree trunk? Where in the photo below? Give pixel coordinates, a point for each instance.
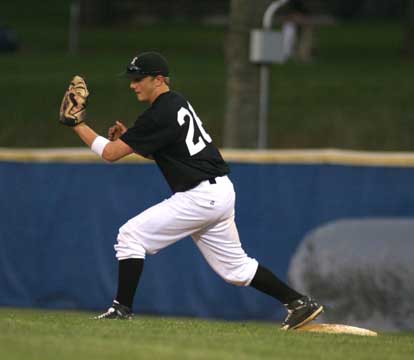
(241, 116)
(408, 24)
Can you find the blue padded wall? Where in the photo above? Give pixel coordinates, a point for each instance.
(59, 221)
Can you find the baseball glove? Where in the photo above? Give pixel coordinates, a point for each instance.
(73, 108)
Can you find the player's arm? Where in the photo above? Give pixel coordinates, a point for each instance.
(119, 129)
(109, 150)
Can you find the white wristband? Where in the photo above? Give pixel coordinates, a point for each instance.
(99, 144)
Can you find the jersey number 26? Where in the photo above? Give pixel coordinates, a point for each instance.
(193, 147)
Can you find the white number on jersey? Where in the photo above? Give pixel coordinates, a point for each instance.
(193, 148)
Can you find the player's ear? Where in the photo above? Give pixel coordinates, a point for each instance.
(160, 79)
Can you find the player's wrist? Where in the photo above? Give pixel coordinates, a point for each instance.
(79, 125)
(98, 145)
(80, 128)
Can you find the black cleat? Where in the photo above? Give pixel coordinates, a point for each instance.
(300, 312)
(116, 312)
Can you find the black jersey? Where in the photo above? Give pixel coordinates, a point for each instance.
(172, 134)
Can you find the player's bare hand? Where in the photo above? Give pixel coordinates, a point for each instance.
(116, 130)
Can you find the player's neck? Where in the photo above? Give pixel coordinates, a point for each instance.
(159, 91)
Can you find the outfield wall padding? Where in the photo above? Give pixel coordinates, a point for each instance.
(362, 270)
(60, 217)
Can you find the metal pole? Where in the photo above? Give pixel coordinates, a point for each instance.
(74, 24)
(264, 79)
(263, 106)
(270, 11)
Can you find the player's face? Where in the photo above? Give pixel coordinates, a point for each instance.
(145, 89)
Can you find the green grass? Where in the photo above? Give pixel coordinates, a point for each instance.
(31, 334)
(356, 94)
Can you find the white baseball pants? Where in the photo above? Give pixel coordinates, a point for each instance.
(205, 212)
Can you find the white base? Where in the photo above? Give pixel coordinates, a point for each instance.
(337, 329)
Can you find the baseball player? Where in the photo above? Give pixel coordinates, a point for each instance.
(170, 132)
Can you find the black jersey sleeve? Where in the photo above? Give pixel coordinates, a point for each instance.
(148, 134)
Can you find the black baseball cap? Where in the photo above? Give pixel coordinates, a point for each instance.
(147, 64)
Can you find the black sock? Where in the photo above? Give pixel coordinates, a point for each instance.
(128, 276)
(266, 282)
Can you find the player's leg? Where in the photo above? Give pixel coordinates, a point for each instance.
(147, 233)
(129, 273)
(301, 308)
(221, 247)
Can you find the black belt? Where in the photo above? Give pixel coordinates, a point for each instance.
(212, 181)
